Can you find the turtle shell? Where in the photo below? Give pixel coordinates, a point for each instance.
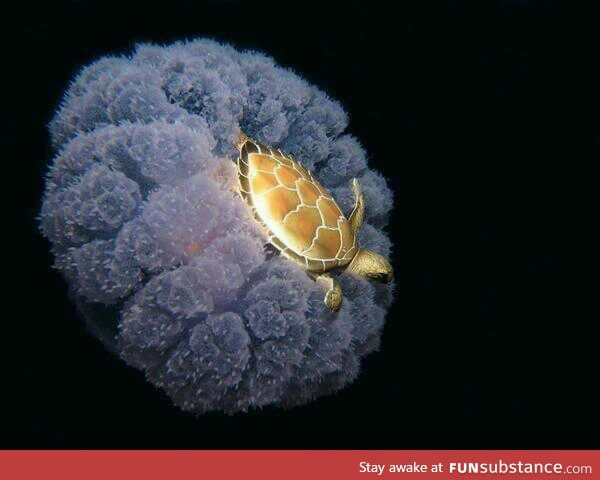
(299, 215)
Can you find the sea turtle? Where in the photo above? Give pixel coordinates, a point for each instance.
(302, 220)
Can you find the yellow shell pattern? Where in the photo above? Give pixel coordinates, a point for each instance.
(301, 218)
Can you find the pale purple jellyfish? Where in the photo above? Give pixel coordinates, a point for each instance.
(162, 257)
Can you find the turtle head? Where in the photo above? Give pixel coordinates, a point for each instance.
(371, 265)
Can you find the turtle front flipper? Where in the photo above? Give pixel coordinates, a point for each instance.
(358, 213)
(333, 295)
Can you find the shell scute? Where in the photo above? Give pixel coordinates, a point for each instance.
(287, 176)
(302, 224)
(284, 159)
(276, 204)
(325, 245)
(329, 211)
(262, 183)
(262, 163)
(309, 193)
(347, 239)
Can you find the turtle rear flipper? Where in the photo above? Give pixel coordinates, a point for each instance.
(333, 294)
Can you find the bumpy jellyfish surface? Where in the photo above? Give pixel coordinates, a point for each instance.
(165, 261)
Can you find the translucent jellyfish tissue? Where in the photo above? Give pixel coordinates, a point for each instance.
(161, 255)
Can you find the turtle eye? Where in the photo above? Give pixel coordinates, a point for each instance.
(382, 276)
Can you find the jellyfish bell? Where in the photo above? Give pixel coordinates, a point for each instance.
(164, 260)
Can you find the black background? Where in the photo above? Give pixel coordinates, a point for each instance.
(481, 115)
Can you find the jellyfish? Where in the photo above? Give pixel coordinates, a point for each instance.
(161, 257)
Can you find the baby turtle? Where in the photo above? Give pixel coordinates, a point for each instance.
(302, 220)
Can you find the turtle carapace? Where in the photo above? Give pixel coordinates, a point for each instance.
(302, 220)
